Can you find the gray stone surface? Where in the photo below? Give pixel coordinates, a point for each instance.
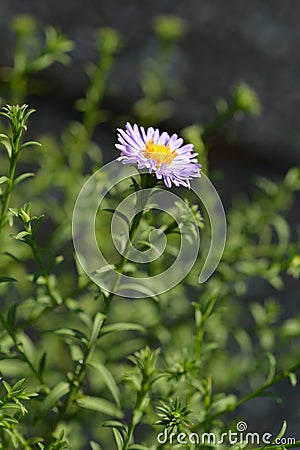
(226, 41)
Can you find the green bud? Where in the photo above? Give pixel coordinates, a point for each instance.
(168, 28)
(246, 99)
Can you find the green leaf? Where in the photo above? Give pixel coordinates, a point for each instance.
(36, 225)
(3, 179)
(122, 326)
(209, 307)
(118, 438)
(15, 258)
(272, 369)
(281, 432)
(115, 424)
(97, 324)
(100, 405)
(42, 364)
(282, 229)
(77, 335)
(224, 402)
(109, 381)
(293, 379)
(33, 441)
(119, 430)
(18, 385)
(21, 236)
(59, 391)
(94, 445)
(5, 141)
(7, 279)
(30, 143)
(7, 386)
(136, 287)
(11, 316)
(118, 213)
(22, 177)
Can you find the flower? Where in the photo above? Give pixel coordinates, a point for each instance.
(159, 153)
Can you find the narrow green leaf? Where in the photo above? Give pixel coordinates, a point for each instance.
(97, 324)
(104, 269)
(293, 379)
(15, 258)
(122, 326)
(18, 385)
(7, 386)
(5, 141)
(7, 279)
(100, 405)
(30, 143)
(3, 179)
(118, 438)
(209, 307)
(20, 236)
(281, 432)
(95, 446)
(11, 316)
(42, 364)
(59, 391)
(70, 333)
(22, 177)
(119, 431)
(272, 369)
(36, 225)
(109, 381)
(136, 287)
(115, 424)
(10, 435)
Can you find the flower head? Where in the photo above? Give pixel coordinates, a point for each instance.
(160, 153)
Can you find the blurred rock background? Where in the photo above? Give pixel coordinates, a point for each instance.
(224, 42)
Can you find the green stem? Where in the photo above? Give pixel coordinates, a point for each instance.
(71, 396)
(280, 377)
(9, 188)
(139, 400)
(80, 371)
(219, 121)
(32, 319)
(19, 349)
(43, 270)
(21, 440)
(147, 182)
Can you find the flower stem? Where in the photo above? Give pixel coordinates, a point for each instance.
(79, 371)
(139, 401)
(9, 188)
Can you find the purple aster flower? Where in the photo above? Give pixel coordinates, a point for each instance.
(159, 153)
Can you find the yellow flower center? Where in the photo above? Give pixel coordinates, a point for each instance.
(160, 153)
